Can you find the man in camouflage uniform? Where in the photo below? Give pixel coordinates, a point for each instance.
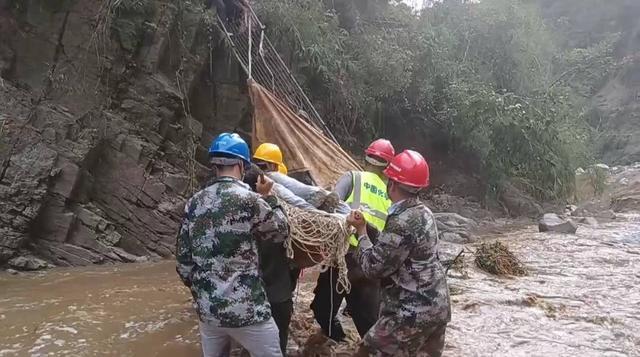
(360, 190)
(217, 255)
(415, 306)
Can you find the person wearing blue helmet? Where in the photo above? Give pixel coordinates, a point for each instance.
(217, 257)
(229, 149)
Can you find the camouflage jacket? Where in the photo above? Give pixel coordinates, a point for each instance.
(405, 257)
(217, 255)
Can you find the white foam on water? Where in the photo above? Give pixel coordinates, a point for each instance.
(137, 328)
(66, 329)
(40, 344)
(43, 338)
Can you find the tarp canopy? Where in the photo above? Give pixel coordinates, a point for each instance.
(304, 147)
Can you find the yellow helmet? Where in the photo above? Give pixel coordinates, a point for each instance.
(271, 153)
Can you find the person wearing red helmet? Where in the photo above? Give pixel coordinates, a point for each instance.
(366, 191)
(415, 307)
(378, 155)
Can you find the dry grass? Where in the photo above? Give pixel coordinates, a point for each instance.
(495, 258)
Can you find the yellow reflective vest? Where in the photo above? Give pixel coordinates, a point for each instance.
(369, 194)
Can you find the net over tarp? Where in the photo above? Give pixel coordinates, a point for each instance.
(304, 147)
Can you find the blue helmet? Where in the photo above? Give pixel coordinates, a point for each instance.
(230, 145)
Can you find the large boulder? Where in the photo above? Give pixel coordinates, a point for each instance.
(464, 206)
(517, 202)
(454, 228)
(551, 222)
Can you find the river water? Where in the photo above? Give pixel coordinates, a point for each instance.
(581, 298)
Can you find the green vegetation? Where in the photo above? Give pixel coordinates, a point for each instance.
(492, 78)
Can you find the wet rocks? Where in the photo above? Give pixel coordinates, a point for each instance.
(28, 263)
(594, 210)
(606, 214)
(625, 194)
(625, 203)
(569, 209)
(110, 239)
(448, 251)
(454, 228)
(518, 203)
(589, 221)
(551, 222)
(24, 187)
(87, 217)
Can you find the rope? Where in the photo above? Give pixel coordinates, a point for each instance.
(331, 302)
(250, 44)
(318, 233)
(272, 68)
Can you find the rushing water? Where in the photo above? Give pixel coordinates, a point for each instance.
(581, 298)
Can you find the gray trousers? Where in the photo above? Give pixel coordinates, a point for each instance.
(260, 340)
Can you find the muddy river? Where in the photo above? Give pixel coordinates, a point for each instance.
(581, 298)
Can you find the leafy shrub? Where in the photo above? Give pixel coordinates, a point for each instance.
(488, 74)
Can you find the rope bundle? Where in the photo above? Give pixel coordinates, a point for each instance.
(323, 237)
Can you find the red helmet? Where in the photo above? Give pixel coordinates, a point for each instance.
(409, 168)
(381, 148)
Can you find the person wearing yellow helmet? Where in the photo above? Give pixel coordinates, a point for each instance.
(268, 157)
(279, 274)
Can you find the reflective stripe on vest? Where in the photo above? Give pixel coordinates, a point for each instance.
(369, 194)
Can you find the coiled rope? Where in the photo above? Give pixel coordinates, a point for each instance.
(324, 237)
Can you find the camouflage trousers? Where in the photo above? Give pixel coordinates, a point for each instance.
(389, 337)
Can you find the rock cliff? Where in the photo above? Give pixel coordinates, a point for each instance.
(103, 106)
